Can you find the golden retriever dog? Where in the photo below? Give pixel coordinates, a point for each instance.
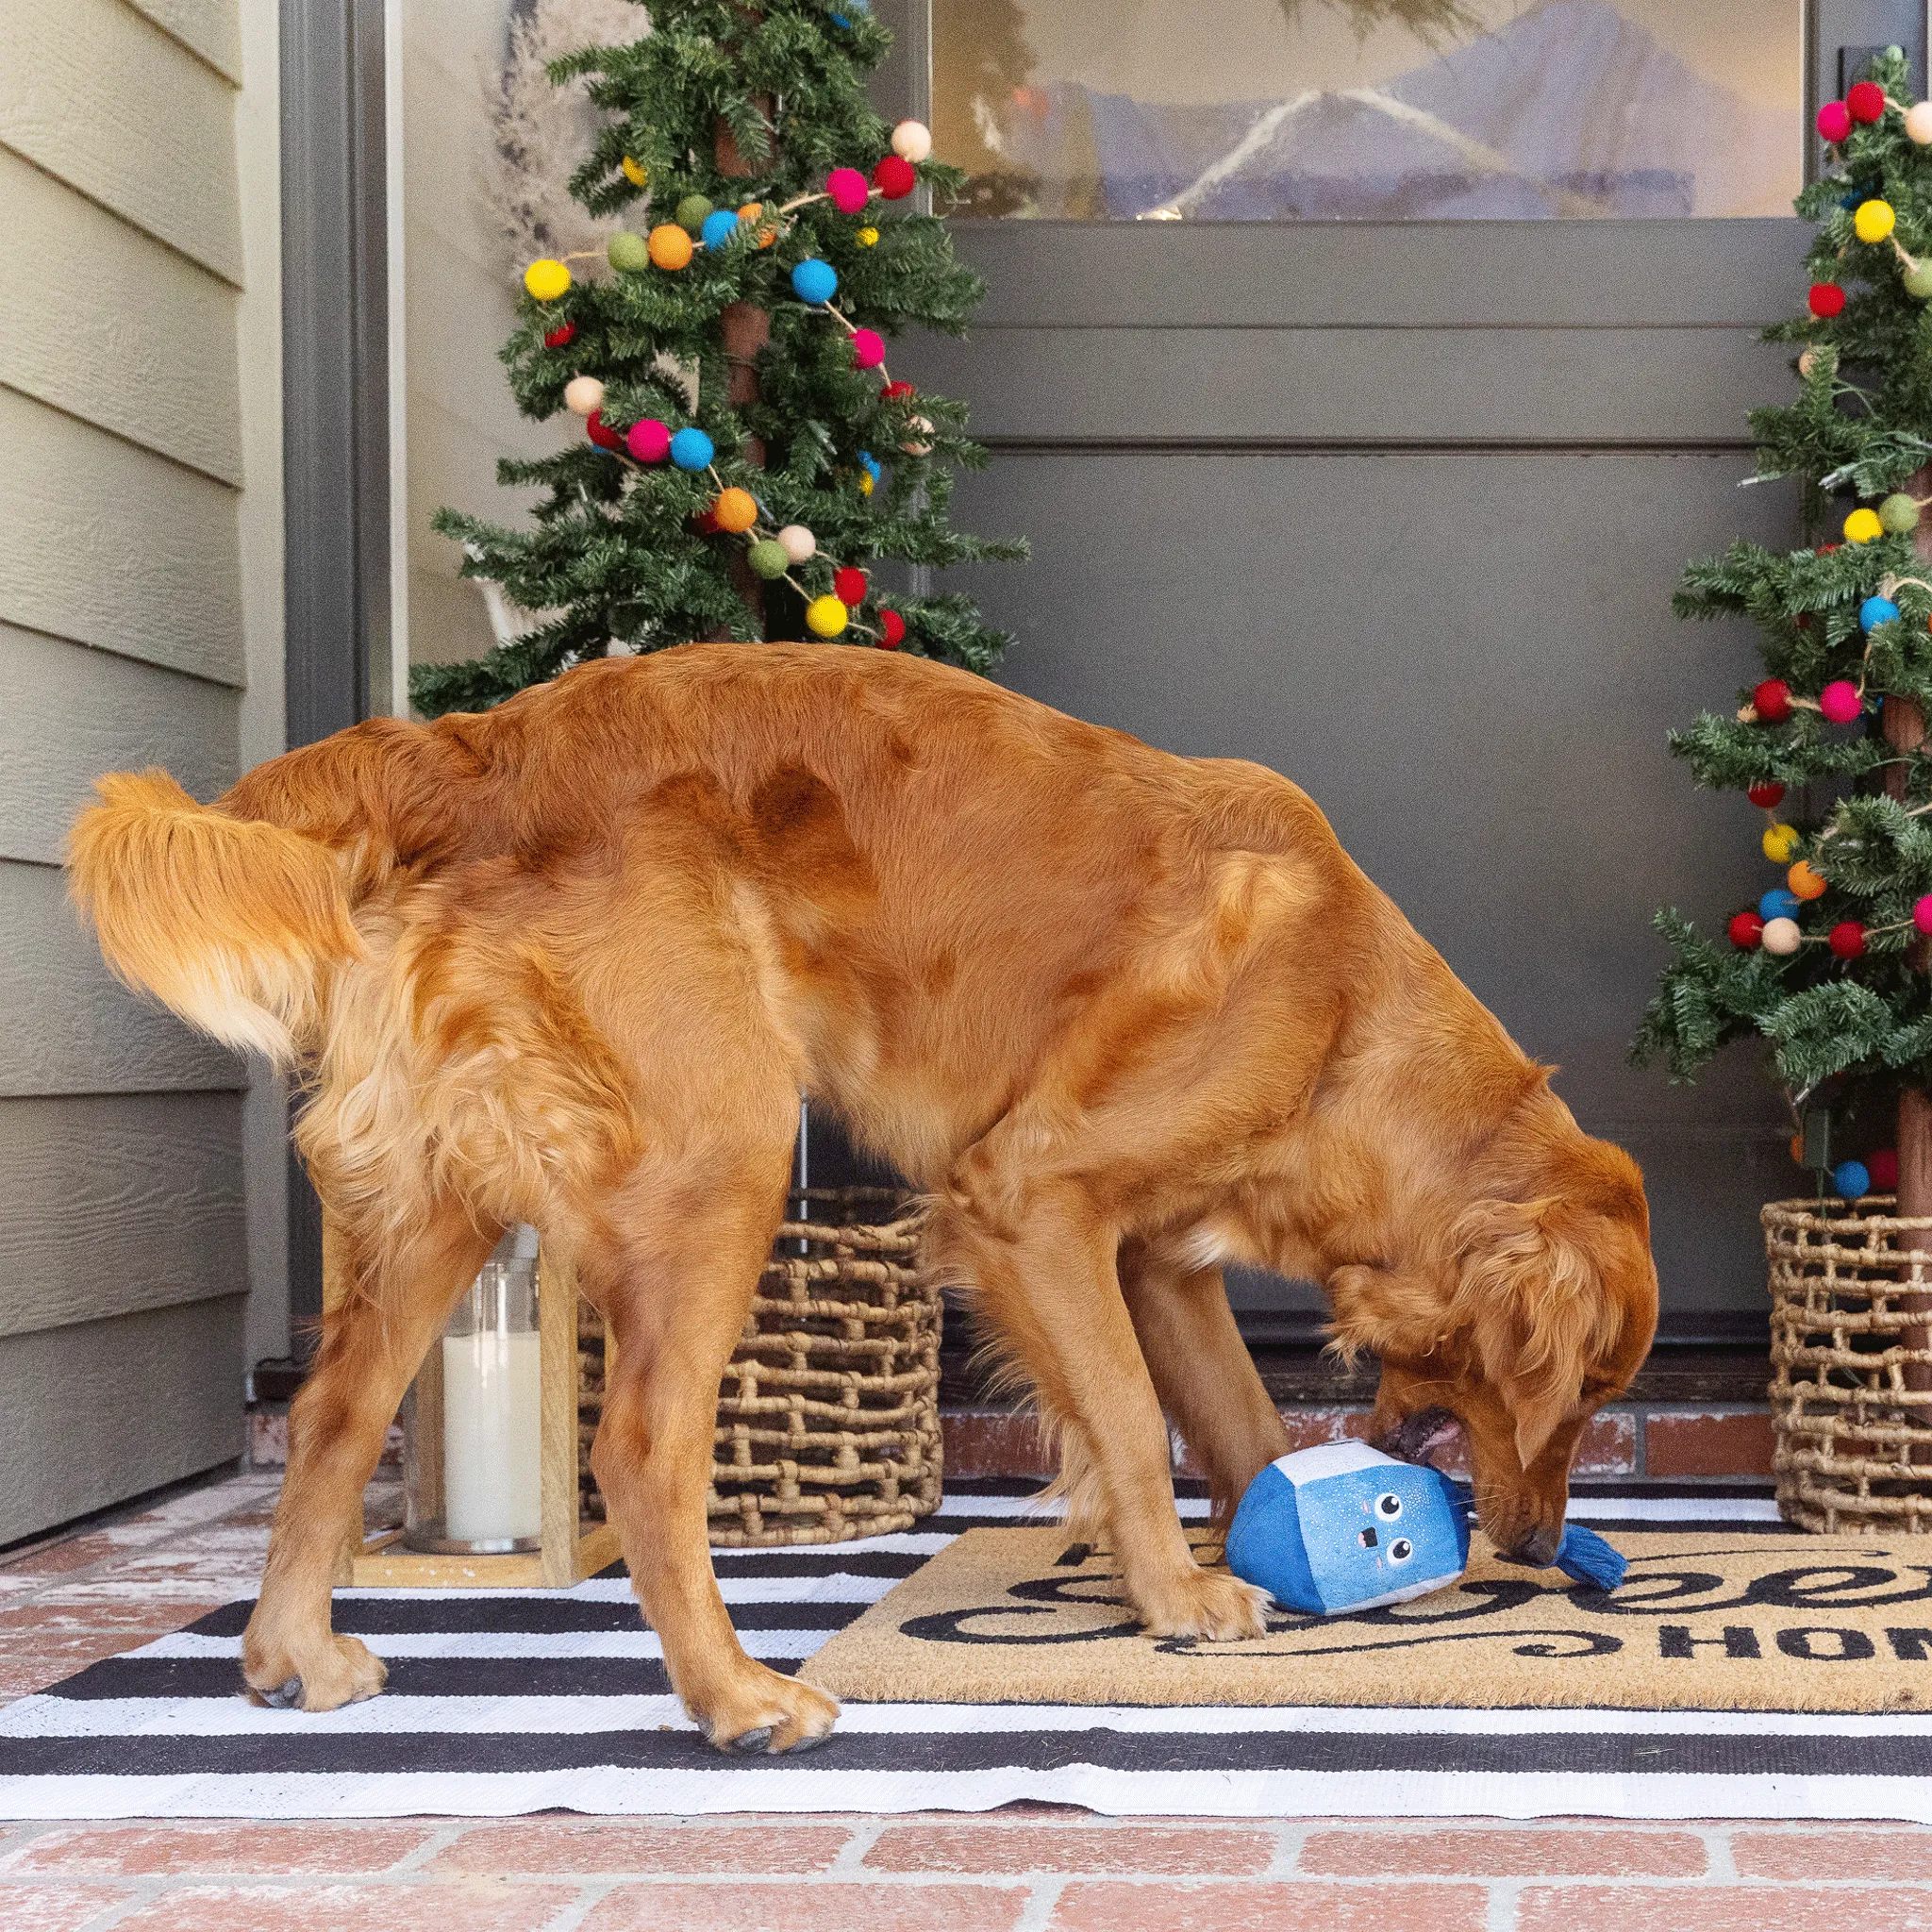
(1125, 1017)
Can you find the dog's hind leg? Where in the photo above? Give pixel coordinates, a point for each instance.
(1043, 1263)
(373, 1342)
(1203, 1370)
(675, 1284)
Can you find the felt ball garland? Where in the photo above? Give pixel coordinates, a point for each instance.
(825, 617)
(894, 177)
(1803, 883)
(1779, 903)
(798, 543)
(692, 449)
(1772, 701)
(1847, 939)
(1862, 526)
(719, 226)
(1851, 1180)
(1834, 121)
(546, 280)
(735, 510)
(649, 440)
(912, 140)
(849, 190)
(1779, 842)
(1767, 793)
(1884, 1168)
(1873, 220)
(1781, 937)
(582, 394)
(627, 253)
(1898, 515)
(1865, 101)
(1746, 930)
(560, 337)
(1825, 300)
(1876, 611)
(670, 247)
(848, 585)
(814, 282)
(1840, 702)
(1919, 124)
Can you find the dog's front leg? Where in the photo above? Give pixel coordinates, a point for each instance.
(373, 1342)
(1042, 1261)
(677, 1297)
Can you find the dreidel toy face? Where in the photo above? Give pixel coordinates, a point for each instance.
(1343, 1528)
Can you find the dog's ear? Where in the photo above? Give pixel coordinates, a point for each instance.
(1531, 1300)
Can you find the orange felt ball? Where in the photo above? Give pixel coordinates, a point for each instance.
(1798, 1148)
(670, 246)
(736, 509)
(1803, 882)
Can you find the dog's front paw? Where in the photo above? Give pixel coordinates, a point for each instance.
(767, 1713)
(342, 1671)
(1210, 1604)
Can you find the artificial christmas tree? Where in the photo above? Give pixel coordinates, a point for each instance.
(749, 458)
(1830, 966)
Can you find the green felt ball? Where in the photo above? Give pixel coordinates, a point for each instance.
(1919, 280)
(768, 558)
(1898, 513)
(691, 211)
(628, 251)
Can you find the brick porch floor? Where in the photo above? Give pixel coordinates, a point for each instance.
(74, 1599)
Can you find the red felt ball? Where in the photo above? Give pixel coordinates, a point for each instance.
(1825, 300)
(848, 586)
(1865, 101)
(1834, 121)
(1847, 939)
(897, 392)
(600, 432)
(894, 177)
(1767, 793)
(564, 332)
(706, 523)
(1746, 930)
(1883, 1168)
(1772, 700)
(891, 630)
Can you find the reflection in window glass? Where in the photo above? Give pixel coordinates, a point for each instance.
(1370, 109)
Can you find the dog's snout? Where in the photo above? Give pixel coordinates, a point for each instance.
(1536, 1548)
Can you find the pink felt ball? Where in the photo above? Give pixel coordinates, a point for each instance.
(1834, 121)
(868, 348)
(649, 440)
(849, 189)
(1921, 914)
(1840, 701)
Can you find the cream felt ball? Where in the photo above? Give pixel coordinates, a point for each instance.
(797, 543)
(583, 393)
(1781, 936)
(912, 140)
(1919, 122)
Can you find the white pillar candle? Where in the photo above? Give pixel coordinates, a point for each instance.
(492, 1435)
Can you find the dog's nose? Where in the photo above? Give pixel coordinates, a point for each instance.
(1536, 1548)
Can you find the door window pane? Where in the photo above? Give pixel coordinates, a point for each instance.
(1371, 109)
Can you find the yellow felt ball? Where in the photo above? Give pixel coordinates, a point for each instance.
(865, 482)
(1862, 526)
(635, 172)
(670, 246)
(1780, 841)
(735, 509)
(546, 280)
(1803, 882)
(867, 238)
(1874, 221)
(826, 616)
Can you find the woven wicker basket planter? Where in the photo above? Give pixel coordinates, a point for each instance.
(1851, 1393)
(828, 1418)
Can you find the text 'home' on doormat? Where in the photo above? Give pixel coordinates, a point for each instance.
(1703, 1620)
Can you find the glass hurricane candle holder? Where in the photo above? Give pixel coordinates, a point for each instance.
(472, 1436)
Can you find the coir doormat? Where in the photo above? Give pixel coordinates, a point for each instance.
(1703, 1620)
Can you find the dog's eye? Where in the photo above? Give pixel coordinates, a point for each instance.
(1389, 1507)
(1401, 1549)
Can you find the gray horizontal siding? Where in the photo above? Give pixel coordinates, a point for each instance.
(77, 1029)
(111, 1204)
(106, 1409)
(73, 712)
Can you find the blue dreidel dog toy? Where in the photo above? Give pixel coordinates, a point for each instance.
(1344, 1527)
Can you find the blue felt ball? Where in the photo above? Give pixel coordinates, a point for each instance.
(840, 19)
(692, 449)
(1875, 611)
(871, 465)
(1776, 904)
(720, 226)
(814, 281)
(1851, 1179)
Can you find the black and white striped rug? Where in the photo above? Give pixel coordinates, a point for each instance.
(502, 1703)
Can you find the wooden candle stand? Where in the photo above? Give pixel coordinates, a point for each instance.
(572, 1548)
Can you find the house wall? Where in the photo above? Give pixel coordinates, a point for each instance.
(140, 1172)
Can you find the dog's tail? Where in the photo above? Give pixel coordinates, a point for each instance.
(229, 922)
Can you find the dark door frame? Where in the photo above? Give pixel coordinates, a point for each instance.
(335, 424)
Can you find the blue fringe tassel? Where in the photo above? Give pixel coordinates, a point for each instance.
(1584, 1557)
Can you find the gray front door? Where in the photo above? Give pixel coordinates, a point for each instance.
(1396, 507)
